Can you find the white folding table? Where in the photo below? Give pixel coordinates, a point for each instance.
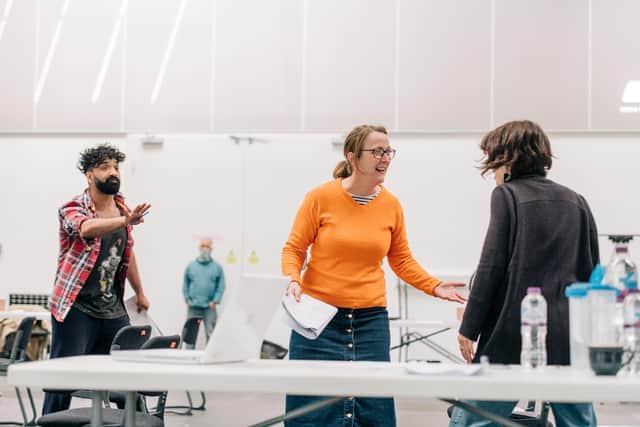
(371, 379)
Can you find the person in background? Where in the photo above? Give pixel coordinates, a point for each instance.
(203, 287)
(541, 234)
(352, 223)
(96, 256)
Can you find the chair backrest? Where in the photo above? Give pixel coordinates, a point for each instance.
(169, 341)
(23, 336)
(190, 331)
(131, 337)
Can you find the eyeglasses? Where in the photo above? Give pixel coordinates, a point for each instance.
(378, 153)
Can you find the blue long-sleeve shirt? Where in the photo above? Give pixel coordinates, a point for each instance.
(203, 283)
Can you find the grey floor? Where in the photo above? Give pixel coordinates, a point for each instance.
(242, 409)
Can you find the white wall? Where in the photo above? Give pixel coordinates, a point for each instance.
(302, 65)
(246, 196)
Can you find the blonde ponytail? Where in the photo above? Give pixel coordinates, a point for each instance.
(342, 170)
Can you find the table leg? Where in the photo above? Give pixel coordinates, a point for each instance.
(301, 411)
(130, 409)
(96, 405)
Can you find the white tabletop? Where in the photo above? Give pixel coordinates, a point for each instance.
(21, 314)
(324, 378)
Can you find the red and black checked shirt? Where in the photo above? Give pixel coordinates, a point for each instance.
(77, 255)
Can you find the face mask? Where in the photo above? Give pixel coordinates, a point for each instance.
(109, 186)
(205, 253)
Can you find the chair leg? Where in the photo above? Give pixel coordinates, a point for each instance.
(190, 400)
(33, 407)
(25, 422)
(202, 405)
(23, 411)
(188, 408)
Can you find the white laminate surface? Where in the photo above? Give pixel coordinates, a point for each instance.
(324, 378)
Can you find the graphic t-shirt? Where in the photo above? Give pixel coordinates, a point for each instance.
(101, 296)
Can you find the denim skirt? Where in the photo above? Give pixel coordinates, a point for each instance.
(353, 334)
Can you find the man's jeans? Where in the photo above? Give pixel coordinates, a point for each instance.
(208, 315)
(565, 414)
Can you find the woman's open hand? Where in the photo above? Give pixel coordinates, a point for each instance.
(449, 292)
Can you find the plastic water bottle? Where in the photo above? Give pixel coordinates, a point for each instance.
(621, 270)
(533, 327)
(631, 315)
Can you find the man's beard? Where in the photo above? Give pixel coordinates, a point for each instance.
(109, 186)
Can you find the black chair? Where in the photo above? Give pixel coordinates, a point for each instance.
(131, 337)
(168, 341)
(271, 350)
(119, 397)
(189, 336)
(127, 338)
(21, 339)
(190, 331)
(80, 417)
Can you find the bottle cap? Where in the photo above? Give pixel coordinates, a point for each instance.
(597, 275)
(534, 290)
(577, 290)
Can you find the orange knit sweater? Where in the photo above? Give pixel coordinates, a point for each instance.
(349, 242)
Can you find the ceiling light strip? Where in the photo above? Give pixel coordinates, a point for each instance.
(168, 52)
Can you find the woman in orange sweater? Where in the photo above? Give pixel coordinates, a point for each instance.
(351, 224)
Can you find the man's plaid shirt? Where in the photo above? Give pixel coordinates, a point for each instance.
(77, 255)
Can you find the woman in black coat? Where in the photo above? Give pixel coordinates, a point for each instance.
(541, 234)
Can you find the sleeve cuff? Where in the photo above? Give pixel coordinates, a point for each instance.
(468, 331)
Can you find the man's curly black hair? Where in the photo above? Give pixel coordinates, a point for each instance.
(95, 156)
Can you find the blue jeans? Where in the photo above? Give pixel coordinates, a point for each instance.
(208, 315)
(565, 414)
(361, 334)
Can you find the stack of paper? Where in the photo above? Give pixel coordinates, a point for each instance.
(308, 317)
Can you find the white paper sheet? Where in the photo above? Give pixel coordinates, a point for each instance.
(308, 317)
(142, 318)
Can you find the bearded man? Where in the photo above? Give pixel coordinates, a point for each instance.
(96, 245)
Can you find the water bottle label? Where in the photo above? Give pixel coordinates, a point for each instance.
(525, 323)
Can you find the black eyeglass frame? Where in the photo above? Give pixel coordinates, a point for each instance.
(379, 153)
